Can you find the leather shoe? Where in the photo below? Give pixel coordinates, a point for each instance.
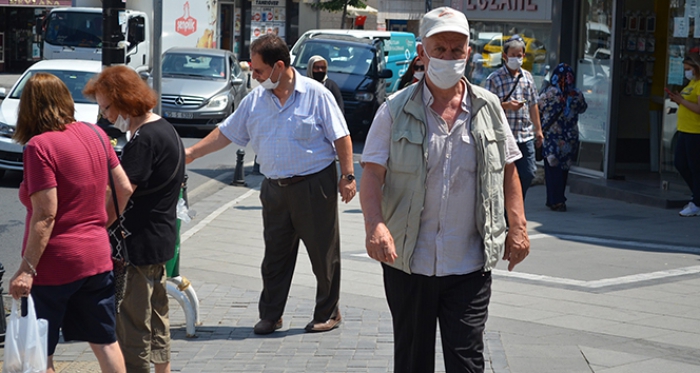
(267, 326)
(323, 326)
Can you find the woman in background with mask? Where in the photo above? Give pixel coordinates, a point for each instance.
(154, 162)
(687, 156)
(318, 70)
(413, 74)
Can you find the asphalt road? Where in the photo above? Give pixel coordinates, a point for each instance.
(205, 176)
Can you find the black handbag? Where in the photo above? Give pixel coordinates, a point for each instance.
(117, 238)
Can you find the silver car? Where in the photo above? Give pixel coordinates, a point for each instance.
(200, 87)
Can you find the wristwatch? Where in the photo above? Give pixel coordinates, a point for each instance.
(348, 177)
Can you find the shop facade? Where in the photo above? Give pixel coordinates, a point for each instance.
(20, 31)
(624, 53)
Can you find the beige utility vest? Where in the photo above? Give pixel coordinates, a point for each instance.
(405, 182)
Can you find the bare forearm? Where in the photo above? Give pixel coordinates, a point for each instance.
(515, 207)
(371, 194)
(343, 147)
(213, 142)
(692, 106)
(535, 117)
(124, 190)
(41, 223)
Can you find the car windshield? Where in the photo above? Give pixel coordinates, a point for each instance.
(74, 80)
(194, 65)
(74, 29)
(342, 58)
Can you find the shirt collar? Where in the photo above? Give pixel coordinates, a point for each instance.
(428, 96)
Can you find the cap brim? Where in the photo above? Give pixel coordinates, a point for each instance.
(442, 29)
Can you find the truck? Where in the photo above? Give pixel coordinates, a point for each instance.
(76, 33)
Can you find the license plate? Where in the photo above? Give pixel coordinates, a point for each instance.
(179, 114)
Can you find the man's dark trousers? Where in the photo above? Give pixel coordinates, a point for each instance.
(527, 168)
(306, 210)
(459, 302)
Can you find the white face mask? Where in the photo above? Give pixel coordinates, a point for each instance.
(268, 84)
(689, 74)
(122, 124)
(418, 75)
(445, 73)
(514, 63)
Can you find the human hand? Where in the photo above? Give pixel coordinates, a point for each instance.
(675, 97)
(189, 157)
(539, 138)
(21, 284)
(513, 105)
(347, 189)
(380, 244)
(517, 246)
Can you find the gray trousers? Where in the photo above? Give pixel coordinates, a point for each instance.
(306, 210)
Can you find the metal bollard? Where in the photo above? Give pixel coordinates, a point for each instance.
(3, 322)
(239, 173)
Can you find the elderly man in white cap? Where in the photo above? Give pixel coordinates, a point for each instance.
(438, 176)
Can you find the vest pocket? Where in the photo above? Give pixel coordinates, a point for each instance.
(494, 150)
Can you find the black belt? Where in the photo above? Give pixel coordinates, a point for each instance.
(288, 181)
(295, 179)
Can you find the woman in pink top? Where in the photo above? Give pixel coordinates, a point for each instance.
(66, 256)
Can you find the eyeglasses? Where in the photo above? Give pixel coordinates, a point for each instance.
(103, 110)
(419, 68)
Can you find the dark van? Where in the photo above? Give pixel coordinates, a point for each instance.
(358, 67)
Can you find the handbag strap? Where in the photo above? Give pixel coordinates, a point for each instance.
(517, 80)
(125, 253)
(140, 193)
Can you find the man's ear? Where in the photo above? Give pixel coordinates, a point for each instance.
(421, 52)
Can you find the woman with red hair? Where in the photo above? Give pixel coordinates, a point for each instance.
(154, 161)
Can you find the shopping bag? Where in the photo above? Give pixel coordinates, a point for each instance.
(26, 341)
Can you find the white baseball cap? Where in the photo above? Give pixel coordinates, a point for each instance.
(443, 19)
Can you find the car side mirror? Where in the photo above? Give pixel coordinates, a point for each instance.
(237, 81)
(385, 74)
(145, 75)
(3, 93)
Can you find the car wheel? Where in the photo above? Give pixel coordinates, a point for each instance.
(2, 173)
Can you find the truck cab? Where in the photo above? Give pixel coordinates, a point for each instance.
(76, 33)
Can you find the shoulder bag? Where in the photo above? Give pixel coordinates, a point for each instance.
(120, 255)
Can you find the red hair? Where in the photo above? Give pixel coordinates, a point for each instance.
(125, 90)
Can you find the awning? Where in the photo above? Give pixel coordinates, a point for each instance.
(368, 11)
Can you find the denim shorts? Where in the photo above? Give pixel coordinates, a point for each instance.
(83, 310)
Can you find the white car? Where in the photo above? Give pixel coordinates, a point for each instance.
(74, 73)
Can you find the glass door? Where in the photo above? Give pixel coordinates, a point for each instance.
(594, 79)
(682, 35)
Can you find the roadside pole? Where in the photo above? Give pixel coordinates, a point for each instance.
(156, 72)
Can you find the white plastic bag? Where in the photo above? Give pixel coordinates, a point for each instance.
(184, 213)
(26, 341)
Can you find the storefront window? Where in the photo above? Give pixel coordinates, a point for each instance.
(683, 33)
(487, 47)
(593, 78)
